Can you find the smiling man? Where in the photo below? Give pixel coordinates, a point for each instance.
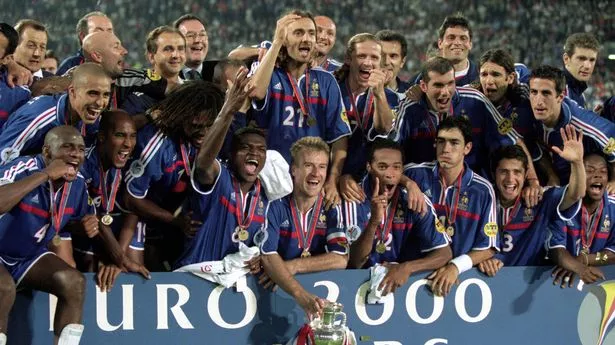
(30, 51)
(197, 45)
(326, 35)
(40, 195)
(292, 100)
(80, 107)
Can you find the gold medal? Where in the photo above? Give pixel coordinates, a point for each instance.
(311, 121)
(305, 253)
(450, 231)
(106, 219)
(381, 248)
(243, 235)
(585, 251)
(56, 240)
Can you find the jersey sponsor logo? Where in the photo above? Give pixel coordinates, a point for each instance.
(606, 224)
(9, 154)
(137, 169)
(34, 199)
(491, 229)
(428, 193)
(285, 224)
(277, 86)
(528, 215)
(610, 147)
(597, 315)
(505, 126)
(153, 75)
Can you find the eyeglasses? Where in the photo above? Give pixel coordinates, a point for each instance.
(194, 35)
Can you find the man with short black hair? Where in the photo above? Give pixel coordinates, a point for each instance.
(580, 53)
(395, 50)
(194, 30)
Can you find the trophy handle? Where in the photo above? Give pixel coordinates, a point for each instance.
(343, 318)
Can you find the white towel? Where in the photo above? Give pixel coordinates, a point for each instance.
(275, 176)
(226, 272)
(376, 274)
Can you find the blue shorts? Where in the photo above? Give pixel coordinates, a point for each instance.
(18, 268)
(86, 245)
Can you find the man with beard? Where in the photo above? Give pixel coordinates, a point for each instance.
(90, 23)
(166, 51)
(325, 40)
(524, 228)
(385, 231)
(80, 107)
(463, 200)
(159, 177)
(40, 196)
(587, 240)
(293, 100)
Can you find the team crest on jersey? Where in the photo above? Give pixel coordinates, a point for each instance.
(464, 115)
(137, 169)
(153, 75)
(463, 202)
(610, 147)
(491, 229)
(322, 221)
(353, 232)
(344, 116)
(399, 216)
(606, 224)
(9, 154)
(505, 126)
(439, 227)
(260, 237)
(314, 89)
(528, 215)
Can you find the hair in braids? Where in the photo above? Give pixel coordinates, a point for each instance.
(351, 47)
(192, 99)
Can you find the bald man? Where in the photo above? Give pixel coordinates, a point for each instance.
(87, 96)
(325, 40)
(30, 187)
(89, 23)
(106, 49)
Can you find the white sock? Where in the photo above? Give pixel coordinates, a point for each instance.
(2, 339)
(71, 334)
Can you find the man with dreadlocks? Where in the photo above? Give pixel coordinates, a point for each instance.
(294, 100)
(158, 179)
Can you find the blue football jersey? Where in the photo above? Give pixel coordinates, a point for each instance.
(411, 236)
(27, 228)
(524, 230)
(11, 99)
(417, 125)
(572, 233)
(24, 132)
(474, 225)
(282, 235)
(598, 135)
(216, 207)
(280, 114)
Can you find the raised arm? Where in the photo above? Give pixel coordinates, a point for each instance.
(573, 153)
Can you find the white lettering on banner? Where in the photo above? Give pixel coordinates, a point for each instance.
(53, 302)
(436, 341)
(213, 308)
(359, 304)
(460, 296)
(333, 291)
(127, 310)
(183, 297)
(438, 304)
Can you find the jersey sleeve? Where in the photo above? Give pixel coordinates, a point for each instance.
(402, 126)
(494, 132)
(17, 170)
(487, 233)
(598, 129)
(553, 198)
(393, 102)
(429, 230)
(270, 233)
(337, 120)
(143, 173)
(21, 133)
(83, 205)
(556, 237)
(336, 234)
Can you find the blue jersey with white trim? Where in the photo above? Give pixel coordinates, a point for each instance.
(70, 62)
(523, 73)
(11, 98)
(159, 168)
(416, 128)
(215, 206)
(475, 226)
(608, 109)
(524, 229)
(598, 135)
(24, 132)
(331, 65)
(411, 237)
(575, 88)
(566, 233)
(282, 237)
(27, 228)
(280, 113)
(361, 137)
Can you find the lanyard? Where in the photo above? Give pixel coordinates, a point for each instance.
(305, 237)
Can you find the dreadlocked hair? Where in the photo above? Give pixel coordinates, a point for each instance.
(192, 99)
